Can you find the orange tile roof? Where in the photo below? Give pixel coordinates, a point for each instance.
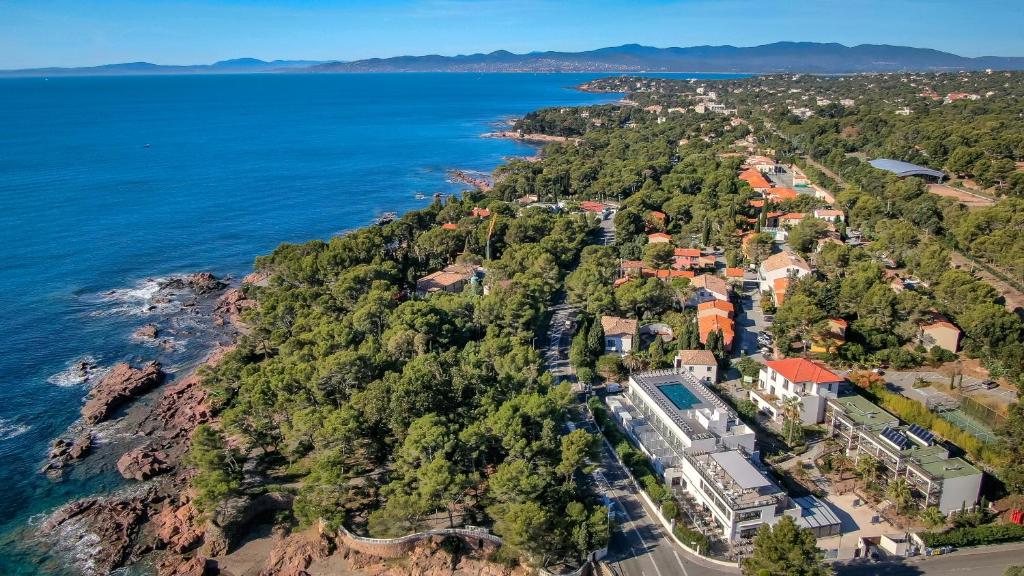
(591, 206)
(688, 252)
(792, 216)
(450, 226)
(803, 370)
(659, 236)
(779, 288)
(613, 325)
(734, 273)
(782, 194)
(619, 282)
(658, 215)
(754, 177)
(481, 212)
(756, 203)
(709, 324)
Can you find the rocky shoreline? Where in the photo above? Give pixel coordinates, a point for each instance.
(528, 137)
(153, 512)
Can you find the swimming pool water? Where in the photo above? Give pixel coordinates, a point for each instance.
(679, 395)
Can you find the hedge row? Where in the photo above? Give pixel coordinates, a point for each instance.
(974, 536)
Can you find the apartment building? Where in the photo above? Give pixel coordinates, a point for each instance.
(807, 383)
(911, 452)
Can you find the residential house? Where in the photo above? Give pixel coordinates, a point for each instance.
(781, 265)
(452, 279)
(791, 219)
(722, 308)
(756, 180)
(808, 382)
(829, 215)
(619, 334)
(735, 275)
(716, 323)
(708, 287)
(700, 364)
(659, 238)
(781, 194)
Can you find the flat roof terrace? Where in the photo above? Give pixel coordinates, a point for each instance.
(678, 394)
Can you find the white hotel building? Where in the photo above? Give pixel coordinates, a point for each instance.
(701, 448)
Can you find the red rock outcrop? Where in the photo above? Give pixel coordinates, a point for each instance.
(178, 526)
(294, 554)
(65, 451)
(143, 463)
(430, 558)
(174, 565)
(258, 278)
(108, 526)
(121, 385)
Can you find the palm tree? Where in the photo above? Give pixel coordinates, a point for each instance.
(791, 408)
(635, 361)
(840, 461)
(933, 517)
(867, 467)
(899, 492)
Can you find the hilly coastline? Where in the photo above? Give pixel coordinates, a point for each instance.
(779, 57)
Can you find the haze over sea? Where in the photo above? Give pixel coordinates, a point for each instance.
(234, 166)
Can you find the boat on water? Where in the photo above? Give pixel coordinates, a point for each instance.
(386, 217)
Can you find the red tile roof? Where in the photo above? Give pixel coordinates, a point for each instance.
(591, 206)
(780, 194)
(754, 177)
(803, 370)
(734, 273)
(450, 226)
(688, 252)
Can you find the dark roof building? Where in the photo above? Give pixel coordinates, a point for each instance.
(904, 169)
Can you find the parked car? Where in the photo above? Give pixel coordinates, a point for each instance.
(613, 388)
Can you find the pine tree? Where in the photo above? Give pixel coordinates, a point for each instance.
(785, 549)
(595, 338)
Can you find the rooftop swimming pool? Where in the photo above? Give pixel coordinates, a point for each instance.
(679, 395)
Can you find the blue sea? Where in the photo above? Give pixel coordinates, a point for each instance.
(107, 184)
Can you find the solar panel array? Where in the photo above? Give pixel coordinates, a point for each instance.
(924, 436)
(896, 438)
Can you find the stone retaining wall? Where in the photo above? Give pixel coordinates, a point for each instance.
(401, 546)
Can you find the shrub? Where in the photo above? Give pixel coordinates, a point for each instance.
(974, 536)
(692, 538)
(610, 366)
(669, 509)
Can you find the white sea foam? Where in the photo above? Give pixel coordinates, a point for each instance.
(145, 298)
(9, 429)
(78, 372)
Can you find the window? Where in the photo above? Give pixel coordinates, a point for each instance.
(749, 515)
(610, 344)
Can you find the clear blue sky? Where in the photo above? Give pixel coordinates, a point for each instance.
(88, 32)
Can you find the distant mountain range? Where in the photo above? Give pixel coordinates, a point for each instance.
(234, 66)
(806, 57)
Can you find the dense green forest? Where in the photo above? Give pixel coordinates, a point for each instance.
(395, 413)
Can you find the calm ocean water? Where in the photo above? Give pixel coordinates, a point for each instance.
(234, 165)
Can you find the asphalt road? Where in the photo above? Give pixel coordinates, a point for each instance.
(984, 561)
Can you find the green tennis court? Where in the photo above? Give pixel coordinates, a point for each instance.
(972, 426)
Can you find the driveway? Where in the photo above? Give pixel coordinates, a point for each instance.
(750, 320)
